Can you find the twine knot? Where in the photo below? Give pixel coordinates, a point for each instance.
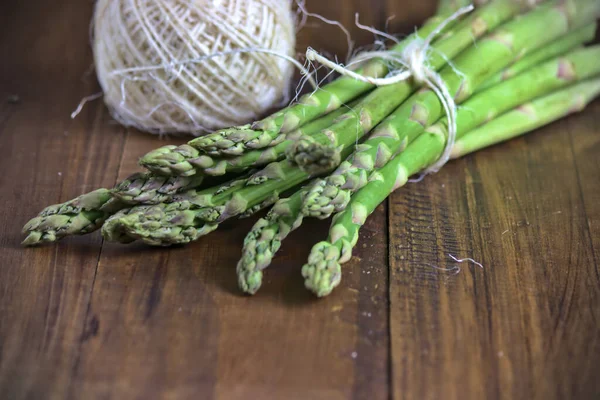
(413, 59)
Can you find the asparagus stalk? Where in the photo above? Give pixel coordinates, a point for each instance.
(79, 216)
(148, 188)
(144, 221)
(155, 224)
(264, 240)
(179, 230)
(321, 151)
(51, 229)
(322, 273)
(236, 140)
(87, 212)
(185, 160)
(469, 69)
(332, 194)
(162, 224)
(192, 210)
(528, 117)
(561, 46)
(112, 228)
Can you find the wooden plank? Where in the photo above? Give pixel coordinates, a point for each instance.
(585, 142)
(48, 158)
(172, 323)
(175, 319)
(525, 325)
(118, 322)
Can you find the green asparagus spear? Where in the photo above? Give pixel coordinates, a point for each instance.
(155, 224)
(322, 273)
(332, 194)
(192, 210)
(469, 69)
(237, 140)
(264, 240)
(120, 227)
(88, 212)
(561, 46)
(265, 237)
(528, 117)
(185, 160)
(143, 221)
(210, 206)
(321, 151)
(79, 216)
(148, 188)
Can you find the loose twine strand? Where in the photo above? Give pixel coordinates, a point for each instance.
(413, 59)
(456, 269)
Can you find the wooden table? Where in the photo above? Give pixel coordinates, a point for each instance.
(89, 320)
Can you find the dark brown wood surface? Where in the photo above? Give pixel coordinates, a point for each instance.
(87, 320)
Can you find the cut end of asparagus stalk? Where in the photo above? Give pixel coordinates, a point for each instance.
(312, 157)
(323, 272)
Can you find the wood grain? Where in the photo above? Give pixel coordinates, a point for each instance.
(88, 320)
(44, 293)
(526, 324)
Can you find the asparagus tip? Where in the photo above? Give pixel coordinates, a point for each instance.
(250, 280)
(171, 160)
(312, 157)
(323, 271)
(114, 230)
(34, 238)
(259, 247)
(324, 198)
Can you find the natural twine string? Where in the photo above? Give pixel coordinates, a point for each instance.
(456, 268)
(190, 66)
(413, 59)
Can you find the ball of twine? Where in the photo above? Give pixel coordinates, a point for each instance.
(161, 66)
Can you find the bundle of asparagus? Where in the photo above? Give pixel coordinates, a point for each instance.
(510, 76)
